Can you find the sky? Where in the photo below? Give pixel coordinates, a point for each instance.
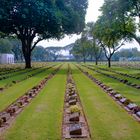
(92, 15)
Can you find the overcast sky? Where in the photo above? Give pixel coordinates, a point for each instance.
(92, 15)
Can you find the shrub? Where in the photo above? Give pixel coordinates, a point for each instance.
(127, 102)
(136, 109)
(1, 122)
(19, 104)
(74, 109)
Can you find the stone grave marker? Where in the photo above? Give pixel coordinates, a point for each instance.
(74, 117)
(75, 129)
(138, 114)
(72, 102)
(5, 116)
(131, 106)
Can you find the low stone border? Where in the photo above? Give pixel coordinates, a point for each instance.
(10, 113)
(125, 103)
(74, 121)
(124, 81)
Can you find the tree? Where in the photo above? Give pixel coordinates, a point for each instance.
(11, 45)
(34, 20)
(17, 49)
(5, 46)
(94, 49)
(124, 13)
(39, 54)
(54, 52)
(86, 49)
(75, 51)
(130, 53)
(109, 39)
(81, 49)
(115, 26)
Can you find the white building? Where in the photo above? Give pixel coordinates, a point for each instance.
(6, 59)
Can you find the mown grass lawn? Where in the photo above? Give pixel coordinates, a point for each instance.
(107, 120)
(129, 92)
(42, 119)
(12, 93)
(135, 81)
(18, 77)
(135, 72)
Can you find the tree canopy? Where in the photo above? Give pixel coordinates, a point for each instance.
(41, 19)
(5, 46)
(124, 14)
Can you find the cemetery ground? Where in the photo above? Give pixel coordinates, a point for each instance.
(42, 117)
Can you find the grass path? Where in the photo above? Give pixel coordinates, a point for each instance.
(12, 93)
(42, 119)
(127, 91)
(107, 120)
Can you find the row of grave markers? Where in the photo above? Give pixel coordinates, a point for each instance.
(8, 114)
(74, 121)
(27, 77)
(124, 81)
(5, 76)
(123, 74)
(10, 71)
(127, 104)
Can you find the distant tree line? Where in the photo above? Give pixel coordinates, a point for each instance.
(14, 46)
(89, 51)
(131, 54)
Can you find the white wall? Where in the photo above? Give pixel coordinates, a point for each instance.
(6, 58)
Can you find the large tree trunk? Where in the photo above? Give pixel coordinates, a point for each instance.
(28, 60)
(84, 60)
(21, 56)
(91, 58)
(96, 62)
(26, 48)
(16, 56)
(109, 62)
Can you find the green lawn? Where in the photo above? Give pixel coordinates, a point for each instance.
(19, 76)
(5, 71)
(120, 69)
(129, 92)
(42, 119)
(107, 120)
(12, 93)
(135, 81)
